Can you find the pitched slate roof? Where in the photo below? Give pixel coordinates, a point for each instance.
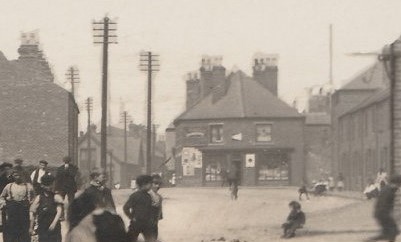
(374, 77)
(245, 98)
(377, 97)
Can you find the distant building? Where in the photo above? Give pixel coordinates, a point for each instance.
(122, 172)
(39, 119)
(317, 146)
(238, 122)
(361, 127)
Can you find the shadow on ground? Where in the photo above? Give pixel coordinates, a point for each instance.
(309, 233)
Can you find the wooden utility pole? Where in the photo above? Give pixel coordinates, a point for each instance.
(111, 169)
(149, 63)
(331, 55)
(104, 33)
(125, 119)
(89, 104)
(73, 77)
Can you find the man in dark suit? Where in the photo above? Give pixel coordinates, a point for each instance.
(66, 180)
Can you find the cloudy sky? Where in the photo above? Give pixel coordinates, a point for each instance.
(181, 31)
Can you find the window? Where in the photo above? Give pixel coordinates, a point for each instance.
(273, 167)
(216, 133)
(263, 132)
(213, 171)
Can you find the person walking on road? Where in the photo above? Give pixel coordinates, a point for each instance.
(100, 192)
(383, 211)
(46, 209)
(37, 175)
(15, 200)
(138, 209)
(66, 180)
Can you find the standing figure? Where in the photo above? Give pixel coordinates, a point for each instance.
(233, 180)
(157, 201)
(138, 209)
(331, 184)
(5, 178)
(101, 194)
(295, 220)
(46, 209)
(37, 175)
(24, 174)
(383, 212)
(303, 190)
(16, 198)
(340, 182)
(66, 180)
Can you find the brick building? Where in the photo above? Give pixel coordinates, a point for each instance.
(39, 119)
(360, 117)
(238, 121)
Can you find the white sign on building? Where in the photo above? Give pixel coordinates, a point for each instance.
(250, 160)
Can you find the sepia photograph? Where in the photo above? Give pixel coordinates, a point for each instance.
(200, 120)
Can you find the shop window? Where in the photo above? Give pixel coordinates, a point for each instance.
(216, 133)
(213, 172)
(263, 132)
(273, 168)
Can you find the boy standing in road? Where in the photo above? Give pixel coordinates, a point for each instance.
(157, 201)
(138, 209)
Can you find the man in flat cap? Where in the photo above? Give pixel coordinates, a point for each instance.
(24, 174)
(37, 175)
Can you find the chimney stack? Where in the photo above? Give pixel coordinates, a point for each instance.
(265, 71)
(193, 89)
(212, 74)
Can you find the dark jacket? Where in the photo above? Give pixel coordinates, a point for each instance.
(102, 196)
(296, 217)
(385, 202)
(66, 179)
(139, 207)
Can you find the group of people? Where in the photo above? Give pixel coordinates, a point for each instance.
(33, 205)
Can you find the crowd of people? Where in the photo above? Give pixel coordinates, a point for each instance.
(34, 205)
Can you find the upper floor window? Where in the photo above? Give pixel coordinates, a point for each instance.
(216, 133)
(263, 132)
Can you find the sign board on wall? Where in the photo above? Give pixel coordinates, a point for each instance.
(250, 160)
(191, 156)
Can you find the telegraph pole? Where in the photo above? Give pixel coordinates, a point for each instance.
(149, 63)
(104, 33)
(125, 119)
(73, 77)
(89, 105)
